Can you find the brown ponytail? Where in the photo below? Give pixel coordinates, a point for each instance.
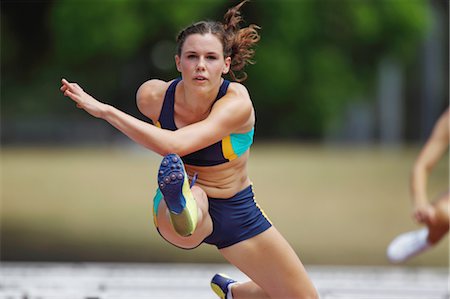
(237, 43)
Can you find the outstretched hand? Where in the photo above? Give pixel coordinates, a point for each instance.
(424, 213)
(83, 99)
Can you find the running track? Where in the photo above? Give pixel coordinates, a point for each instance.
(191, 281)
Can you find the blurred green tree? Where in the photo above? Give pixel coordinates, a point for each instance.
(315, 56)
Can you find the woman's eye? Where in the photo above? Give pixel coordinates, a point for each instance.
(191, 56)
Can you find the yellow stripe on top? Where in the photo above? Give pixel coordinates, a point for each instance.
(158, 124)
(227, 149)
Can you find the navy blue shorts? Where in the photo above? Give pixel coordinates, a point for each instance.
(236, 219)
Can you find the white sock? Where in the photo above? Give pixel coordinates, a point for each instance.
(229, 294)
(407, 245)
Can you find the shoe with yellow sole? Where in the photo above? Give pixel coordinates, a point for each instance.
(220, 285)
(174, 185)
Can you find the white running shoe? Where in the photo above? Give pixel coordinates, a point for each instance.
(408, 245)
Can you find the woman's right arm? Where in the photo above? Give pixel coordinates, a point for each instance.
(139, 131)
(228, 115)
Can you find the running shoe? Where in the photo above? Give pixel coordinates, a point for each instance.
(220, 283)
(174, 185)
(408, 245)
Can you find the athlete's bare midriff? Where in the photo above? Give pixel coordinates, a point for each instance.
(224, 180)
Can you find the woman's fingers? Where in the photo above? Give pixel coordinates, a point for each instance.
(419, 216)
(70, 86)
(425, 216)
(82, 99)
(68, 93)
(65, 85)
(71, 95)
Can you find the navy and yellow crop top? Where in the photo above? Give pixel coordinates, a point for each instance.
(225, 150)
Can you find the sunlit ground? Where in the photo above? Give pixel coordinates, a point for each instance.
(335, 205)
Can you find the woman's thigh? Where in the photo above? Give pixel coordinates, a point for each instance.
(442, 209)
(270, 262)
(204, 225)
(439, 228)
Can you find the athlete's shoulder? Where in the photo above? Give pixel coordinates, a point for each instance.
(153, 88)
(150, 97)
(238, 89)
(238, 94)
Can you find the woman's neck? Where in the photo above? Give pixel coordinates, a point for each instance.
(193, 105)
(197, 101)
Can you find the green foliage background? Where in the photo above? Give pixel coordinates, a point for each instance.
(315, 56)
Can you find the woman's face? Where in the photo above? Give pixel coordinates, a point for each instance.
(202, 62)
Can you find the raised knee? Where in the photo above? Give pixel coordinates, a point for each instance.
(198, 192)
(202, 200)
(169, 234)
